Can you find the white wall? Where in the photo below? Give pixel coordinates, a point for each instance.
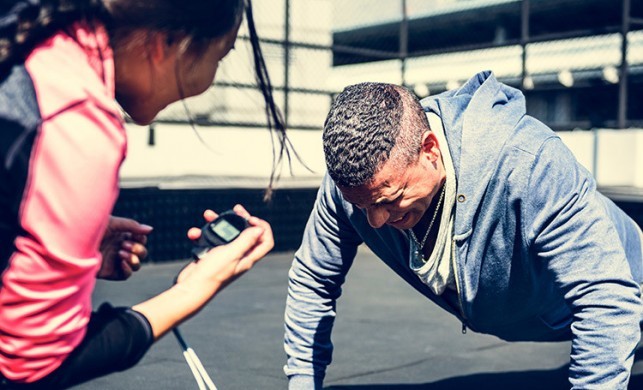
(248, 153)
(619, 154)
(224, 152)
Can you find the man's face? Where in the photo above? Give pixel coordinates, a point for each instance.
(399, 196)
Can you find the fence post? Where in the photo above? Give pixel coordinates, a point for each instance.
(404, 41)
(524, 38)
(622, 87)
(286, 60)
(595, 153)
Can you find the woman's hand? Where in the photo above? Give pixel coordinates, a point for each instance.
(123, 248)
(201, 280)
(223, 264)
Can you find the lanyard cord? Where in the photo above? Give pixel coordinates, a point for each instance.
(200, 374)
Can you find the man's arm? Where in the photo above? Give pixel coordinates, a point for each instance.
(570, 231)
(327, 251)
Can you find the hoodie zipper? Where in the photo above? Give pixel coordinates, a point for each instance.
(457, 286)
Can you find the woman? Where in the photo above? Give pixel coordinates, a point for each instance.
(62, 141)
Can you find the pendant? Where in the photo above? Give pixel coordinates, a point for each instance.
(419, 257)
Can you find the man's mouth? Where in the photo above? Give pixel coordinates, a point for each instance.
(398, 220)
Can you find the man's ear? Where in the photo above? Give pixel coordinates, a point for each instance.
(430, 148)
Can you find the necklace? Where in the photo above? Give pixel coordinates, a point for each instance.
(419, 246)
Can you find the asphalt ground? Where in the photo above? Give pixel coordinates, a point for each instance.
(386, 336)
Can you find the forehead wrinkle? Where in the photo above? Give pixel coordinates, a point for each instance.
(388, 195)
(386, 183)
(360, 196)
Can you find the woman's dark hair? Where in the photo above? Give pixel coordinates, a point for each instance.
(26, 23)
(273, 115)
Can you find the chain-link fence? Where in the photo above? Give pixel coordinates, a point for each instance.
(567, 55)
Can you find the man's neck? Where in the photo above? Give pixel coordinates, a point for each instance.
(420, 228)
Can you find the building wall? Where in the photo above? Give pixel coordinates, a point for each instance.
(248, 153)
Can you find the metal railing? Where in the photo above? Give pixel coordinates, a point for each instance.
(288, 43)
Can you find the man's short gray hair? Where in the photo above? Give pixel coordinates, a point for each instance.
(364, 124)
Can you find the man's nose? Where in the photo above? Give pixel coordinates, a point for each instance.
(377, 216)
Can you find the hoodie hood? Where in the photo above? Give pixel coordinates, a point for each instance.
(478, 119)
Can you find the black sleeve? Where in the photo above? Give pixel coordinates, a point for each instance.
(116, 339)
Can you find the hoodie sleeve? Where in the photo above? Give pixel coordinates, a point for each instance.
(570, 231)
(317, 273)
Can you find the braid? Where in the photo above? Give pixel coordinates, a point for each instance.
(26, 23)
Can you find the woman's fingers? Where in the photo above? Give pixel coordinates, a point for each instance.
(210, 215)
(245, 242)
(127, 269)
(133, 252)
(194, 232)
(241, 211)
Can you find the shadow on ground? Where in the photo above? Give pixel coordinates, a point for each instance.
(524, 380)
